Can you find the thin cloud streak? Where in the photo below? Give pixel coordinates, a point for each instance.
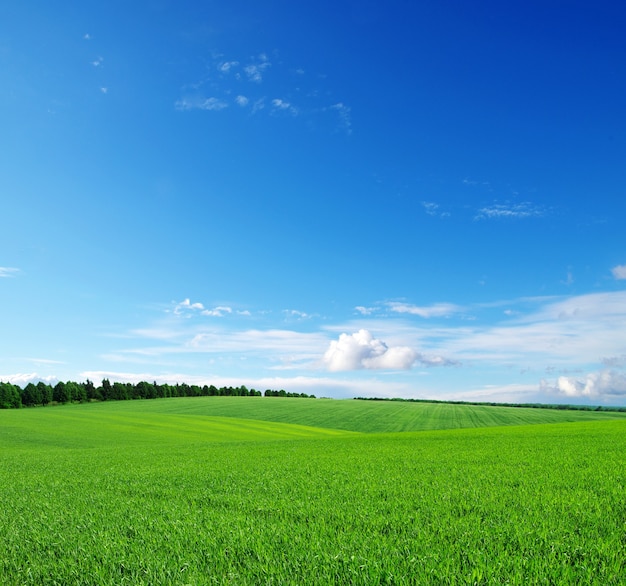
(6, 272)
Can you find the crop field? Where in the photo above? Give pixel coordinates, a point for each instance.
(245, 490)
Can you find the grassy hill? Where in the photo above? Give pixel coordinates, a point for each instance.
(254, 418)
(242, 490)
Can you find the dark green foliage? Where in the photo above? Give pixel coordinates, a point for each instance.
(10, 396)
(283, 393)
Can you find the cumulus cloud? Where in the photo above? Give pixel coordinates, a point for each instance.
(186, 305)
(8, 272)
(594, 385)
(437, 310)
(619, 272)
(241, 100)
(362, 350)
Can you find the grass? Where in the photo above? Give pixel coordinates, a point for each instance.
(177, 492)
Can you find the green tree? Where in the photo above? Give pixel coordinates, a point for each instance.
(59, 394)
(45, 392)
(31, 395)
(10, 396)
(76, 392)
(106, 389)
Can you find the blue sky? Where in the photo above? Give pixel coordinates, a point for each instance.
(410, 199)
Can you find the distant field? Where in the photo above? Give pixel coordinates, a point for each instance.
(293, 491)
(160, 415)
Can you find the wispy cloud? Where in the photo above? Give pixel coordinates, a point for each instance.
(218, 311)
(97, 62)
(201, 103)
(254, 71)
(619, 272)
(227, 66)
(280, 105)
(297, 314)
(186, 308)
(521, 210)
(365, 310)
(345, 119)
(436, 310)
(8, 272)
(433, 209)
(253, 85)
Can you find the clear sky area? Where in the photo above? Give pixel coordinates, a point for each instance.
(419, 199)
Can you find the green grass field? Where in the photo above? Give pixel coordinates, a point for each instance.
(243, 490)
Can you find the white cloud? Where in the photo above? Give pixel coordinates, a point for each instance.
(284, 106)
(242, 100)
(510, 210)
(437, 310)
(619, 272)
(365, 310)
(362, 350)
(255, 71)
(226, 66)
(8, 272)
(23, 379)
(200, 103)
(97, 62)
(186, 304)
(219, 311)
(104, 90)
(594, 385)
(296, 313)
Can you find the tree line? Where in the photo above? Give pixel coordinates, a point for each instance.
(560, 406)
(13, 396)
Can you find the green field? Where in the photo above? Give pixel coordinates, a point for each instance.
(245, 490)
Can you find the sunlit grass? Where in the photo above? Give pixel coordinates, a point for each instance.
(99, 494)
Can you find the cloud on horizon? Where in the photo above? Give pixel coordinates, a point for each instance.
(601, 385)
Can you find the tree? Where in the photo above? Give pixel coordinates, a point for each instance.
(76, 392)
(45, 392)
(90, 390)
(106, 389)
(31, 395)
(10, 396)
(59, 394)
